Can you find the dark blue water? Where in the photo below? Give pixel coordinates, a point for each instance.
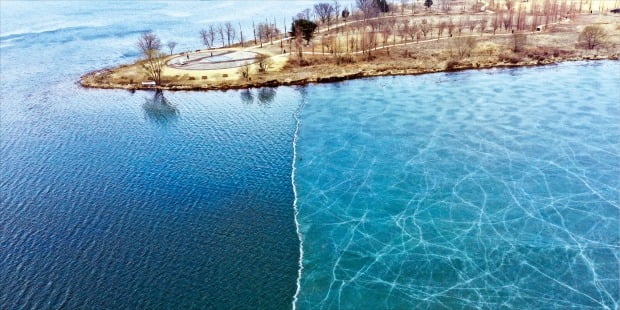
(112, 199)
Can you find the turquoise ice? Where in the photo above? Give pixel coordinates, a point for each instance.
(482, 189)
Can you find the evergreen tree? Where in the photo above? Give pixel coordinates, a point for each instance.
(307, 28)
(382, 5)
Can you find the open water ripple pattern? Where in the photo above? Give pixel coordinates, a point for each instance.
(111, 199)
(475, 190)
(171, 200)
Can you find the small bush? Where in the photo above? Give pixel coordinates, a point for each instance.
(510, 58)
(343, 59)
(519, 40)
(452, 64)
(592, 37)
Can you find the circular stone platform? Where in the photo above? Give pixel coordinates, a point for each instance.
(213, 60)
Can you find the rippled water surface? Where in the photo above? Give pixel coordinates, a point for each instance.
(115, 200)
(145, 201)
(480, 189)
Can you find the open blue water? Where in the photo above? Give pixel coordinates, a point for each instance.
(480, 189)
(111, 199)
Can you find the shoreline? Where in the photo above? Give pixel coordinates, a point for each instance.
(325, 60)
(87, 81)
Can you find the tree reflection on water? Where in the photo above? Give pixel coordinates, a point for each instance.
(159, 110)
(247, 96)
(265, 95)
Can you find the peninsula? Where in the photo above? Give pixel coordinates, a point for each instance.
(375, 38)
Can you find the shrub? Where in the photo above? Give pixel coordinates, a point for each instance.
(510, 58)
(518, 41)
(451, 64)
(592, 37)
(462, 46)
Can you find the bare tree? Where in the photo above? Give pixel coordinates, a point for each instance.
(241, 34)
(222, 34)
(482, 25)
(521, 18)
(497, 22)
(154, 65)
(368, 7)
(336, 6)
(325, 11)
(392, 22)
(592, 37)
(509, 4)
(508, 20)
(425, 27)
(230, 32)
(208, 36)
(299, 42)
(266, 32)
(254, 30)
(518, 41)
(339, 53)
(148, 43)
(440, 28)
(403, 4)
(171, 45)
(403, 30)
(411, 30)
(368, 42)
(450, 26)
(461, 24)
(385, 32)
(461, 46)
(260, 30)
(444, 5)
(471, 24)
(305, 14)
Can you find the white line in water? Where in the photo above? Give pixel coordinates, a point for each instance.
(301, 242)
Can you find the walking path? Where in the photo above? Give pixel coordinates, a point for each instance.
(231, 58)
(213, 60)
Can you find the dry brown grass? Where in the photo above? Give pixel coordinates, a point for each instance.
(556, 43)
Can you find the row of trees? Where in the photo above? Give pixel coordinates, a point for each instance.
(366, 32)
(511, 15)
(224, 33)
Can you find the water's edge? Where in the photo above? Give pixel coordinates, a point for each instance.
(88, 81)
(295, 207)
